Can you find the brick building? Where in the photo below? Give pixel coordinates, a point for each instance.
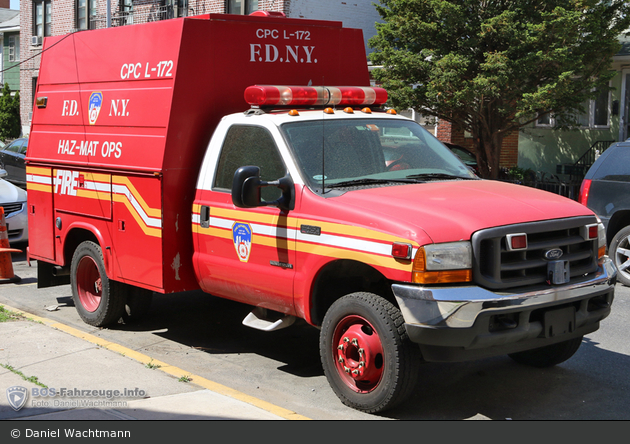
(42, 18)
(446, 132)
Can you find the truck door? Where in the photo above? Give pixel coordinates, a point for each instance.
(246, 254)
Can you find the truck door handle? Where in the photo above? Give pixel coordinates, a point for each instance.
(204, 217)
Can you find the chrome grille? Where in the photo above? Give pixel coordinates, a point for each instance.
(11, 207)
(497, 268)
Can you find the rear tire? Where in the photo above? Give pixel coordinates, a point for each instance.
(550, 355)
(98, 300)
(367, 357)
(619, 251)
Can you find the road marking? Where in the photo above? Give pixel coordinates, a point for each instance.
(163, 366)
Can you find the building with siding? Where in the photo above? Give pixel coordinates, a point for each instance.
(9, 46)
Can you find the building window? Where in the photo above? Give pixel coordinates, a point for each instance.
(125, 16)
(42, 18)
(596, 115)
(177, 8)
(242, 6)
(86, 13)
(14, 48)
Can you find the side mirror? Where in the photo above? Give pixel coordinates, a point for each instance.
(239, 190)
(3, 173)
(246, 187)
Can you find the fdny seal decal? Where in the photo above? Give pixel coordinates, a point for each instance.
(242, 237)
(94, 106)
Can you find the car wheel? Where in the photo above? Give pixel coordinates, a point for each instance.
(619, 251)
(367, 357)
(98, 300)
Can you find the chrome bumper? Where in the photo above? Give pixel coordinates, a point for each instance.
(457, 307)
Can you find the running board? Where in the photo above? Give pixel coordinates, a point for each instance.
(256, 319)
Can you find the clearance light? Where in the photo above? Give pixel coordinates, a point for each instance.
(596, 232)
(443, 264)
(273, 95)
(401, 250)
(516, 242)
(391, 111)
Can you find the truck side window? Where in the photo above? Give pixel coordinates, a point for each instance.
(250, 145)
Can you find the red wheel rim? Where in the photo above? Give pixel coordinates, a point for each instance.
(358, 352)
(89, 284)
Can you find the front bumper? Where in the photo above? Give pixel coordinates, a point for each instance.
(458, 323)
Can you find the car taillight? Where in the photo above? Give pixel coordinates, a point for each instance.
(584, 190)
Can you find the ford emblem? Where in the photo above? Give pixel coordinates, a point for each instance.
(553, 254)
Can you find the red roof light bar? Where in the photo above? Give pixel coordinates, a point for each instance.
(274, 95)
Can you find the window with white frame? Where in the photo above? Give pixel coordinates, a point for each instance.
(242, 6)
(14, 48)
(596, 115)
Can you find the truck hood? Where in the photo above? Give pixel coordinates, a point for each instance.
(454, 210)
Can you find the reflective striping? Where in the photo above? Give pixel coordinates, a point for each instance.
(375, 252)
(122, 190)
(131, 191)
(98, 187)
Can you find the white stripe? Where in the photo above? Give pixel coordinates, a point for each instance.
(98, 186)
(150, 221)
(44, 180)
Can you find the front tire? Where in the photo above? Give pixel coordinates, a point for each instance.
(367, 357)
(550, 355)
(98, 300)
(620, 253)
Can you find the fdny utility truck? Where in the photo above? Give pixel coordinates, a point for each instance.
(249, 157)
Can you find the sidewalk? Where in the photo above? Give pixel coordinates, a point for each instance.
(39, 352)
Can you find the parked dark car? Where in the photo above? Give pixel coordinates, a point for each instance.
(606, 190)
(466, 156)
(12, 160)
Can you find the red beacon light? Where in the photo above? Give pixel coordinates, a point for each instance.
(273, 95)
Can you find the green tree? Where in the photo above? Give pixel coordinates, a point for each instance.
(493, 66)
(10, 122)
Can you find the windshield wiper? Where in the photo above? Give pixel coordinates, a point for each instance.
(368, 181)
(430, 176)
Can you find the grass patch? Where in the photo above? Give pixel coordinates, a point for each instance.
(152, 366)
(6, 315)
(185, 379)
(32, 379)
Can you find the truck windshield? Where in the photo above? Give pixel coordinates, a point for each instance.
(364, 152)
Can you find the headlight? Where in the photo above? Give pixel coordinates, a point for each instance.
(443, 263)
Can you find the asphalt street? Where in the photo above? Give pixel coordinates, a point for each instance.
(203, 336)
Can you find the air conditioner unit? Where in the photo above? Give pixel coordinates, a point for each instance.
(36, 40)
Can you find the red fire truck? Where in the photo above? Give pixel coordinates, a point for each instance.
(249, 157)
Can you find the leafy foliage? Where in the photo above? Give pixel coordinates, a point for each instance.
(10, 123)
(492, 66)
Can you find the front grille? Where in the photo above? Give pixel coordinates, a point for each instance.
(11, 207)
(497, 268)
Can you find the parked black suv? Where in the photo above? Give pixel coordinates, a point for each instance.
(606, 190)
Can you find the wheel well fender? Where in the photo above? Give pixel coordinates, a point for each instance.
(341, 277)
(76, 235)
(618, 221)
